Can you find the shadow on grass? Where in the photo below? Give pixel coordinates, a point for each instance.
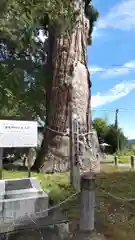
(116, 219)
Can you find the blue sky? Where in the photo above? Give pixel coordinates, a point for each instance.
(112, 63)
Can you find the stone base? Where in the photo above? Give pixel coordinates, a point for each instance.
(88, 236)
(38, 232)
(22, 201)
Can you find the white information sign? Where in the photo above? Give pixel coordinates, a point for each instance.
(14, 133)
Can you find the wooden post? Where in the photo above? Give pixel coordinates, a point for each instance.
(76, 165)
(29, 161)
(87, 218)
(71, 154)
(116, 161)
(29, 173)
(132, 161)
(1, 162)
(73, 157)
(29, 164)
(24, 160)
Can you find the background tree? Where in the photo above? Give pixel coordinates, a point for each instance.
(101, 127)
(131, 147)
(111, 138)
(109, 134)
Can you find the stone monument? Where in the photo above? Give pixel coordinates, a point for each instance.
(22, 201)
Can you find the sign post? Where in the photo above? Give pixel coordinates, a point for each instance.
(1, 156)
(17, 134)
(30, 160)
(14, 133)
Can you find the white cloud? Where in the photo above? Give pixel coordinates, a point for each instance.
(121, 16)
(113, 71)
(96, 69)
(96, 33)
(120, 90)
(130, 134)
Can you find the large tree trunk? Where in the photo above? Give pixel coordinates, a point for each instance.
(68, 76)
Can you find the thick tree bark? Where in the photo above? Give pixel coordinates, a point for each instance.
(67, 72)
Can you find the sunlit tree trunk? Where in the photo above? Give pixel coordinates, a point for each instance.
(68, 76)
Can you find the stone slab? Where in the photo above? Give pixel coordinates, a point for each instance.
(52, 232)
(18, 184)
(21, 201)
(88, 236)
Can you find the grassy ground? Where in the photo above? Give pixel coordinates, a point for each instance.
(116, 219)
(56, 185)
(124, 159)
(121, 159)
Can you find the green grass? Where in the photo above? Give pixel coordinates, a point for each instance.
(121, 159)
(56, 185)
(58, 188)
(124, 159)
(115, 219)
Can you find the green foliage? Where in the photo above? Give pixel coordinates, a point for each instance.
(101, 127)
(92, 14)
(21, 19)
(110, 135)
(131, 147)
(21, 88)
(23, 59)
